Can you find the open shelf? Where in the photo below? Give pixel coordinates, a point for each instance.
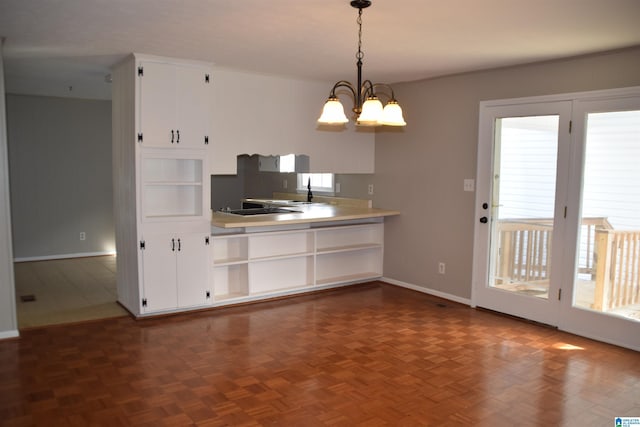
(171, 185)
(157, 169)
(230, 281)
(230, 250)
(348, 248)
(281, 273)
(281, 244)
(260, 264)
(348, 278)
(334, 239)
(336, 266)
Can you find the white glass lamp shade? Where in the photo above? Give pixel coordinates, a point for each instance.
(371, 112)
(392, 115)
(333, 113)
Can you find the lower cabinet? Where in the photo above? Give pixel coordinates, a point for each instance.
(259, 264)
(175, 271)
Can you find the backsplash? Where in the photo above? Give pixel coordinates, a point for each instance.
(229, 190)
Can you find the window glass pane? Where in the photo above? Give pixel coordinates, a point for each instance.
(523, 203)
(608, 272)
(322, 182)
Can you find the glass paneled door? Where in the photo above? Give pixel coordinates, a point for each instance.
(519, 150)
(605, 296)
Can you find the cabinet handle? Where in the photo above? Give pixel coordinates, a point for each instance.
(172, 136)
(178, 132)
(179, 245)
(173, 244)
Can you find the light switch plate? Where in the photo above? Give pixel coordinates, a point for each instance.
(469, 185)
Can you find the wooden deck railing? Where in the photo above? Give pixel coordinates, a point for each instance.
(609, 257)
(617, 255)
(524, 250)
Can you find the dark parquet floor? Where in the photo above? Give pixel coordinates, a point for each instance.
(367, 355)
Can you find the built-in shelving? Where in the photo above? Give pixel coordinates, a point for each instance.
(172, 185)
(254, 265)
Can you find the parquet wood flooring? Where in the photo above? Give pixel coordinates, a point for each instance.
(366, 355)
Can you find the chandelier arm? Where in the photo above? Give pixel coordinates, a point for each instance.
(367, 89)
(343, 83)
(386, 86)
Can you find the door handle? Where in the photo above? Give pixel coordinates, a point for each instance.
(484, 220)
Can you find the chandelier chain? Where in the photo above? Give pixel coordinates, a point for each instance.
(360, 54)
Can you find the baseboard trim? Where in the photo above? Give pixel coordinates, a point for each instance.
(435, 293)
(9, 334)
(63, 256)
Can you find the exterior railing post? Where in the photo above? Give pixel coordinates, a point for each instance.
(602, 255)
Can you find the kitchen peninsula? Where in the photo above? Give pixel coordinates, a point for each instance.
(318, 246)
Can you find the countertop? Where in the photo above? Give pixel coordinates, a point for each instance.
(309, 214)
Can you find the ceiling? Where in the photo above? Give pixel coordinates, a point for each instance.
(67, 46)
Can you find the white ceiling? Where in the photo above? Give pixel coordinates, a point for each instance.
(52, 45)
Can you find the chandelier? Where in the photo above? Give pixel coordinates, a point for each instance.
(367, 107)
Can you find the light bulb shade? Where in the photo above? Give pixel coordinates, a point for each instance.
(371, 112)
(392, 115)
(333, 112)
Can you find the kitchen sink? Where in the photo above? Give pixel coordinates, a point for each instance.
(259, 211)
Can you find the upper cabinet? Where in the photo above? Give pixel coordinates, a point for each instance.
(174, 107)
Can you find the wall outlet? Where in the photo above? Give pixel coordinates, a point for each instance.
(441, 268)
(337, 187)
(83, 235)
(370, 189)
(284, 183)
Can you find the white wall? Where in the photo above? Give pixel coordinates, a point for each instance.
(8, 319)
(259, 114)
(421, 170)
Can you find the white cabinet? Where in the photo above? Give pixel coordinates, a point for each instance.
(287, 163)
(174, 271)
(269, 163)
(174, 107)
(161, 185)
(254, 265)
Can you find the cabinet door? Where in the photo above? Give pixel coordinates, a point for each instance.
(269, 163)
(159, 272)
(193, 100)
(157, 113)
(193, 269)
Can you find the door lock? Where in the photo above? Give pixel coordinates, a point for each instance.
(484, 220)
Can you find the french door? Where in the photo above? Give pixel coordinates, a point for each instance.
(603, 277)
(520, 223)
(558, 209)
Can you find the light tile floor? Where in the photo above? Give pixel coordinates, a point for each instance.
(66, 291)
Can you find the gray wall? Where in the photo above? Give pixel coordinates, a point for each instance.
(60, 171)
(421, 170)
(8, 319)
